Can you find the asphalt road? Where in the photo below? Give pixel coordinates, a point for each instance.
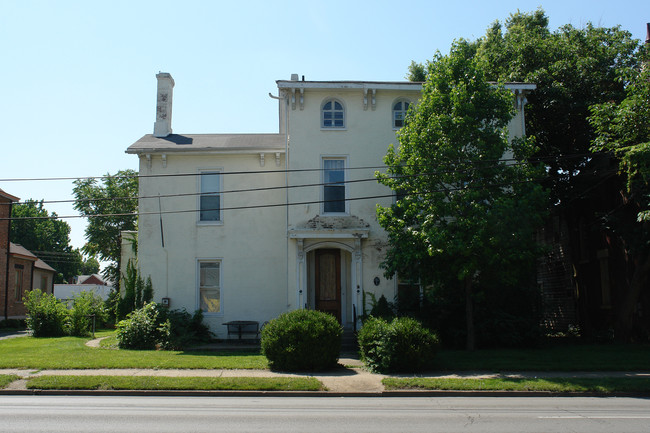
(322, 414)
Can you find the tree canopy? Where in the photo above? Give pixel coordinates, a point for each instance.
(573, 68)
(624, 129)
(588, 115)
(111, 207)
(47, 237)
(461, 209)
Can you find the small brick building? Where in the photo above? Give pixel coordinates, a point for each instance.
(20, 269)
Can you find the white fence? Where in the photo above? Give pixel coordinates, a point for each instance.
(66, 292)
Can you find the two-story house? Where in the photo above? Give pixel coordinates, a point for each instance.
(247, 226)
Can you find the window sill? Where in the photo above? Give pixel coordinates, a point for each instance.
(332, 128)
(209, 223)
(212, 315)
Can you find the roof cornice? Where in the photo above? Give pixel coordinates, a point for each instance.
(352, 85)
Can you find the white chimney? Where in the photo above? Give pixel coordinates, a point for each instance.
(163, 125)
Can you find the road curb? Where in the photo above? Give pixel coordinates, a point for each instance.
(227, 393)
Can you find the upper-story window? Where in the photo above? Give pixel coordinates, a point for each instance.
(332, 114)
(399, 112)
(210, 198)
(334, 190)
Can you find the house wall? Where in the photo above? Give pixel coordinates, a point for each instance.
(250, 243)
(265, 271)
(4, 249)
(363, 143)
(43, 280)
(15, 306)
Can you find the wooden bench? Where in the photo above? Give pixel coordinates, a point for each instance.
(243, 327)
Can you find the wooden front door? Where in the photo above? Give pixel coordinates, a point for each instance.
(328, 282)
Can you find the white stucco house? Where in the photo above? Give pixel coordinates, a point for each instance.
(248, 226)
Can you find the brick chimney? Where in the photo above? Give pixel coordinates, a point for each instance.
(163, 125)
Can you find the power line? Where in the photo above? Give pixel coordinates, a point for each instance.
(296, 170)
(160, 212)
(373, 179)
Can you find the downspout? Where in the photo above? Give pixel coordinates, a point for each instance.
(7, 270)
(31, 279)
(281, 98)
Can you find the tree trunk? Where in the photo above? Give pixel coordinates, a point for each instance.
(625, 310)
(469, 314)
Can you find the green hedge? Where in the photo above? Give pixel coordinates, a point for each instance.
(401, 345)
(302, 340)
(156, 327)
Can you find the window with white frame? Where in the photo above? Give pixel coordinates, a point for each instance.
(210, 198)
(210, 286)
(332, 114)
(399, 112)
(334, 185)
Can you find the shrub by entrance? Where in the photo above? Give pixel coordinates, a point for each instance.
(302, 340)
(401, 345)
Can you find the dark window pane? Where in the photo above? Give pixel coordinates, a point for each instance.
(334, 199)
(210, 206)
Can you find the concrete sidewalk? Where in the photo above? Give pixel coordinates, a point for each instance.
(344, 380)
(351, 378)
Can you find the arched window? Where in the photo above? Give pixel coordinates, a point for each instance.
(399, 112)
(332, 114)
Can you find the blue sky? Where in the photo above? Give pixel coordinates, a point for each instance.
(78, 77)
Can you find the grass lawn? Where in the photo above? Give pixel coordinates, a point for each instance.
(6, 379)
(182, 383)
(72, 353)
(601, 385)
(559, 357)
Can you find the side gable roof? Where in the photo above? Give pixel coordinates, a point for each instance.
(40, 264)
(227, 143)
(19, 251)
(8, 196)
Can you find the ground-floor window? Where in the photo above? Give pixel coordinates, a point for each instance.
(18, 271)
(210, 286)
(409, 295)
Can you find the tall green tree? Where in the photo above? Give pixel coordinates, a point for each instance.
(624, 129)
(573, 68)
(576, 69)
(111, 207)
(38, 230)
(461, 209)
(90, 266)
